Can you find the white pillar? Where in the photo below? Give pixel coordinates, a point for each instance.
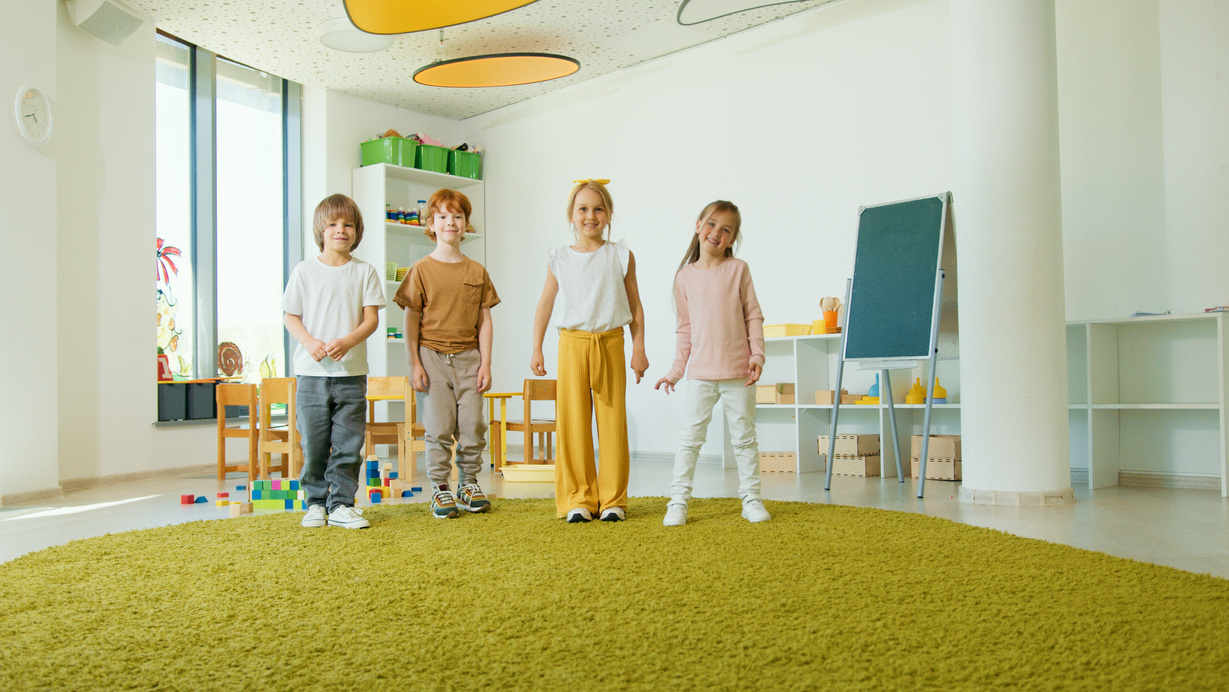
(1008, 205)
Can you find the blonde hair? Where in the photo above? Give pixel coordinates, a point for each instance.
(600, 189)
(446, 200)
(721, 205)
(332, 208)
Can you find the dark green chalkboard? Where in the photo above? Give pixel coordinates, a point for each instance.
(892, 301)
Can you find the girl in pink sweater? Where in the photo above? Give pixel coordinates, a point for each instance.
(721, 345)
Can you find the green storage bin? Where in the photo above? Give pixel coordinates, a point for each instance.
(431, 158)
(394, 150)
(466, 164)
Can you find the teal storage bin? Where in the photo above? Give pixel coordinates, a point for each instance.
(466, 164)
(431, 158)
(394, 150)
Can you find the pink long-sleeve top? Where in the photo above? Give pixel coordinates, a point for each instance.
(720, 326)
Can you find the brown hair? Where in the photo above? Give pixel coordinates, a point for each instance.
(721, 205)
(447, 200)
(337, 207)
(600, 189)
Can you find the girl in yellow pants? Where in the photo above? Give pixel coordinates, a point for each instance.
(595, 281)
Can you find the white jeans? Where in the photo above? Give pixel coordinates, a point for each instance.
(701, 397)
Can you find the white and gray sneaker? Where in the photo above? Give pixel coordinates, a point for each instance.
(314, 518)
(676, 514)
(348, 518)
(613, 514)
(579, 515)
(754, 512)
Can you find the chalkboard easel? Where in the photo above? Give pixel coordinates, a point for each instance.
(897, 303)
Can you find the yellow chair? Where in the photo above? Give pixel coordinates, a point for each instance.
(237, 395)
(281, 440)
(542, 428)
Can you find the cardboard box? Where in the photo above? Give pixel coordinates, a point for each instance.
(851, 445)
(780, 393)
(937, 469)
(940, 447)
(856, 466)
(825, 396)
(771, 330)
(778, 462)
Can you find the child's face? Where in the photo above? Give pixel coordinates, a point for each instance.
(589, 214)
(339, 235)
(716, 232)
(448, 225)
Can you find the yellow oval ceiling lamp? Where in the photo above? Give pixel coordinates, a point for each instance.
(503, 69)
(402, 17)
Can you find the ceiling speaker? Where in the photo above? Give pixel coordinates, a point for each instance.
(106, 19)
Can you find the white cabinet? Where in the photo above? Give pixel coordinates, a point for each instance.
(1147, 397)
(375, 188)
(809, 362)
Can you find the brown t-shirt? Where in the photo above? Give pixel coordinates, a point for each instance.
(450, 296)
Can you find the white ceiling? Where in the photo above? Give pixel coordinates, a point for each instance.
(282, 37)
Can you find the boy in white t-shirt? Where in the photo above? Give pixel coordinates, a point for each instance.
(331, 304)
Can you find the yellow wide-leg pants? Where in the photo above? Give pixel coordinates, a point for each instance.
(592, 380)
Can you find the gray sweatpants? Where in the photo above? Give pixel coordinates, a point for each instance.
(452, 413)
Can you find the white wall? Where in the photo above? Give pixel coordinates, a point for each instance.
(1143, 93)
(28, 378)
(798, 122)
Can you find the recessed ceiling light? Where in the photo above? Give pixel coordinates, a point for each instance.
(340, 34)
(697, 11)
(400, 17)
(503, 69)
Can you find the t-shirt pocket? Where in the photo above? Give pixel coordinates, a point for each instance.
(471, 292)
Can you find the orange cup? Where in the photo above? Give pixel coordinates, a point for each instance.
(830, 320)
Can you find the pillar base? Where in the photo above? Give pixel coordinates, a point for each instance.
(1044, 498)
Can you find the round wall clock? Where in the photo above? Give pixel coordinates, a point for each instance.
(33, 113)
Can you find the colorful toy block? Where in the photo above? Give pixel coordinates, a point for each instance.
(187, 499)
(200, 500)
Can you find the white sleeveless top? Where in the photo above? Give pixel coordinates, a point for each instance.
(592, 296)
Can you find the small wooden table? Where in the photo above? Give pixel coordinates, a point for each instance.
(503, 422)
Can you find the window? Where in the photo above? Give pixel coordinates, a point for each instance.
(224, 213)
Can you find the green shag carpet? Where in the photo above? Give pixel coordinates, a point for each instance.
(821, 597)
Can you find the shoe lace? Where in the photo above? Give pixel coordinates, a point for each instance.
(471, 489)
(443, 497)
(348, 512)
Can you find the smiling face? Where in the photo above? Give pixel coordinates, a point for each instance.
(448, 225)
(590, 215)
(339, 235)
(717, 232)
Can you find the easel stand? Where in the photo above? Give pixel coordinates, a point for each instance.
(885, 390)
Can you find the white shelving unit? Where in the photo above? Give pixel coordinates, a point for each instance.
(1148, 395)
(383, 184)
(809, 362)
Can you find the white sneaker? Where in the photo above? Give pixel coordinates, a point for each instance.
(754, 512)
(314, 518)
(348, 518)
(676, 514)
(613, 514)
(578, 515)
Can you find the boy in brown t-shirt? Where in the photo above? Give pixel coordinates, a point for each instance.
(447, 299)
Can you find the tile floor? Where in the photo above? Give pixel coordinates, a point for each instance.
(1187, 529)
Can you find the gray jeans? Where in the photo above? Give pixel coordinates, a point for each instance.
(332, 414)
(452, 412)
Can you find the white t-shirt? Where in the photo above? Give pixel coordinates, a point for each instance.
(330, 301)
(592, 295)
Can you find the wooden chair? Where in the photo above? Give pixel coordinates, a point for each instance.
(542, 428)
(282, 440)
(407, 434)
(238, 395)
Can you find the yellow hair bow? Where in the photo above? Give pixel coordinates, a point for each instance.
(599, 181)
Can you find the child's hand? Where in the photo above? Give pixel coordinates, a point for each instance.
(666, 381)
(536, 364)
(640, 363)
(337, 348)
(484, 378)
(418, 380)
(753, 374)
(316, 349)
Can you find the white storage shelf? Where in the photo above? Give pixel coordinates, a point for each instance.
(809, 363)
(374, 188)
(1148, 395)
